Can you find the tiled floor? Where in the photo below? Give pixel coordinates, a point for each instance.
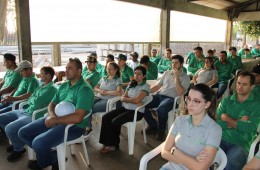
(116, 160)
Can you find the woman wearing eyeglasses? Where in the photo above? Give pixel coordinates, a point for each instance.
(194, 139)
(207, 75)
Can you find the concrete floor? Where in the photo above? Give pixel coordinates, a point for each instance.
(116, 160)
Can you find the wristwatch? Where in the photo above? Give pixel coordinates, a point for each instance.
(172, 150)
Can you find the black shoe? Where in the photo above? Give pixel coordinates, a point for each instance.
(150, 130)
(55, 166)
(160, 136)
(15, 155)
(10, 148)
(34, 165)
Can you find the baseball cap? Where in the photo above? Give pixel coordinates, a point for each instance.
(122, 57)
(93, 54)
(24, 64)
(91, 59)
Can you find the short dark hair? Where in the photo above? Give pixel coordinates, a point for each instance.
(48, 70)
(144, 59)
(232, 48)
(111, 57)
(198, 48)
(247, 49)
(247, 74)
(10, 57)
(168, 49)
(77, 62)
(211, 51)
(223, 52)
(179, 57)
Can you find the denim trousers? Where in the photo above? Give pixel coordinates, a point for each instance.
(42, 139)
(222, 86)
(164, 104)
(5, 107)
(236, 155)
(12, 121)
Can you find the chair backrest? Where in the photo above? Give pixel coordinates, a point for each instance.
(221, 159)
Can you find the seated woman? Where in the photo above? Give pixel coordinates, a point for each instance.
(194, 139)
(108, 87)
(207, 75)
(135, 95)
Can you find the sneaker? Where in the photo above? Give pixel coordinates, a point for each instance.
(150, 130)
(160, 136)
(10, 149)
(15, 155)
(34, 165)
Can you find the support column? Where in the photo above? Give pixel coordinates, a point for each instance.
(149, 48)
(56, 54)
(229, 33)
(165, 27)
(23, 29)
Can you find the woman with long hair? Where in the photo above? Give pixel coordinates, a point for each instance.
(135, 95)
(194, 139)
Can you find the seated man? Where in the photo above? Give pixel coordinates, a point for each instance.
(45, 133)
(235, 59)
(151, 68)
(154, 57)
(256, 73)
(133, 62)
(196, 62)
(26, 87)
(99, 66)
(12, 77)
(90, 74)
(12, 121)
(224, 69)
(172, 84)
(127, 73)
(239, 116)
(254, 164)
(256, 51)
(247, 54)
(165, 63)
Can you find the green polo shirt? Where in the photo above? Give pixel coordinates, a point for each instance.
(27, 85)
(255, 52)
(41, 98)
(126, 74)
(103, 72)
(256, 92)
(241, 52)
(155, 59)
(92, 76)
(164, 65)
(12, 79)
(224, 70)
(245, 131)
(152, 72)
(81, 95)
(195, 65)
(99, 67)
(190, 56)
(237, 63)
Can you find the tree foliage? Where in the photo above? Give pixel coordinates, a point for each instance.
(250, 28)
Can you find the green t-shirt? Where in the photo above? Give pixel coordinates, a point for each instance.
(255, 52)
(12, 79)
(237, 63)
(245, 131)
(92, 76)
(41, 98)
(126, 74)
(155, 59)
(190, 56)
(81, 95)
(27, 85)
(152, 72)
(224, 70)
(164, 65)
(195, 65)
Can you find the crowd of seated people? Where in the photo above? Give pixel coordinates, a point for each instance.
(237, 115)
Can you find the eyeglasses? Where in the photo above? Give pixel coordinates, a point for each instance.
(195, 102)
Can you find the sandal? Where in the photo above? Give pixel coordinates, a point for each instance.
(107, 149)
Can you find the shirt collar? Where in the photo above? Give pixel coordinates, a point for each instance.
(204, 122)
(250, 97)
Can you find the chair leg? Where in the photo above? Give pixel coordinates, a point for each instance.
(170, 119)
(61, 152)
(131, 138)
(85, 150)
(31, 154)
(72, 150)
(144, 132)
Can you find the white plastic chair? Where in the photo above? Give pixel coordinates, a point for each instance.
(31, 154)
(220, 158)
(230, 81)
(132, 125)
(174, 112)
(62, 148)
(253, 146)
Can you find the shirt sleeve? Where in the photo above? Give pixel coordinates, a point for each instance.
(222, 109)
(118, 82)
(175, 128)
(163, 77)
(33, 85)
(214, 136)
(16, 80)
(84, 102)
(146, 88)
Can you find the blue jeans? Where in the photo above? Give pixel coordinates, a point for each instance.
(222, 86)
(12, 121)
(5, 107)
(42, 139)
(236, 155)
(163, 104)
